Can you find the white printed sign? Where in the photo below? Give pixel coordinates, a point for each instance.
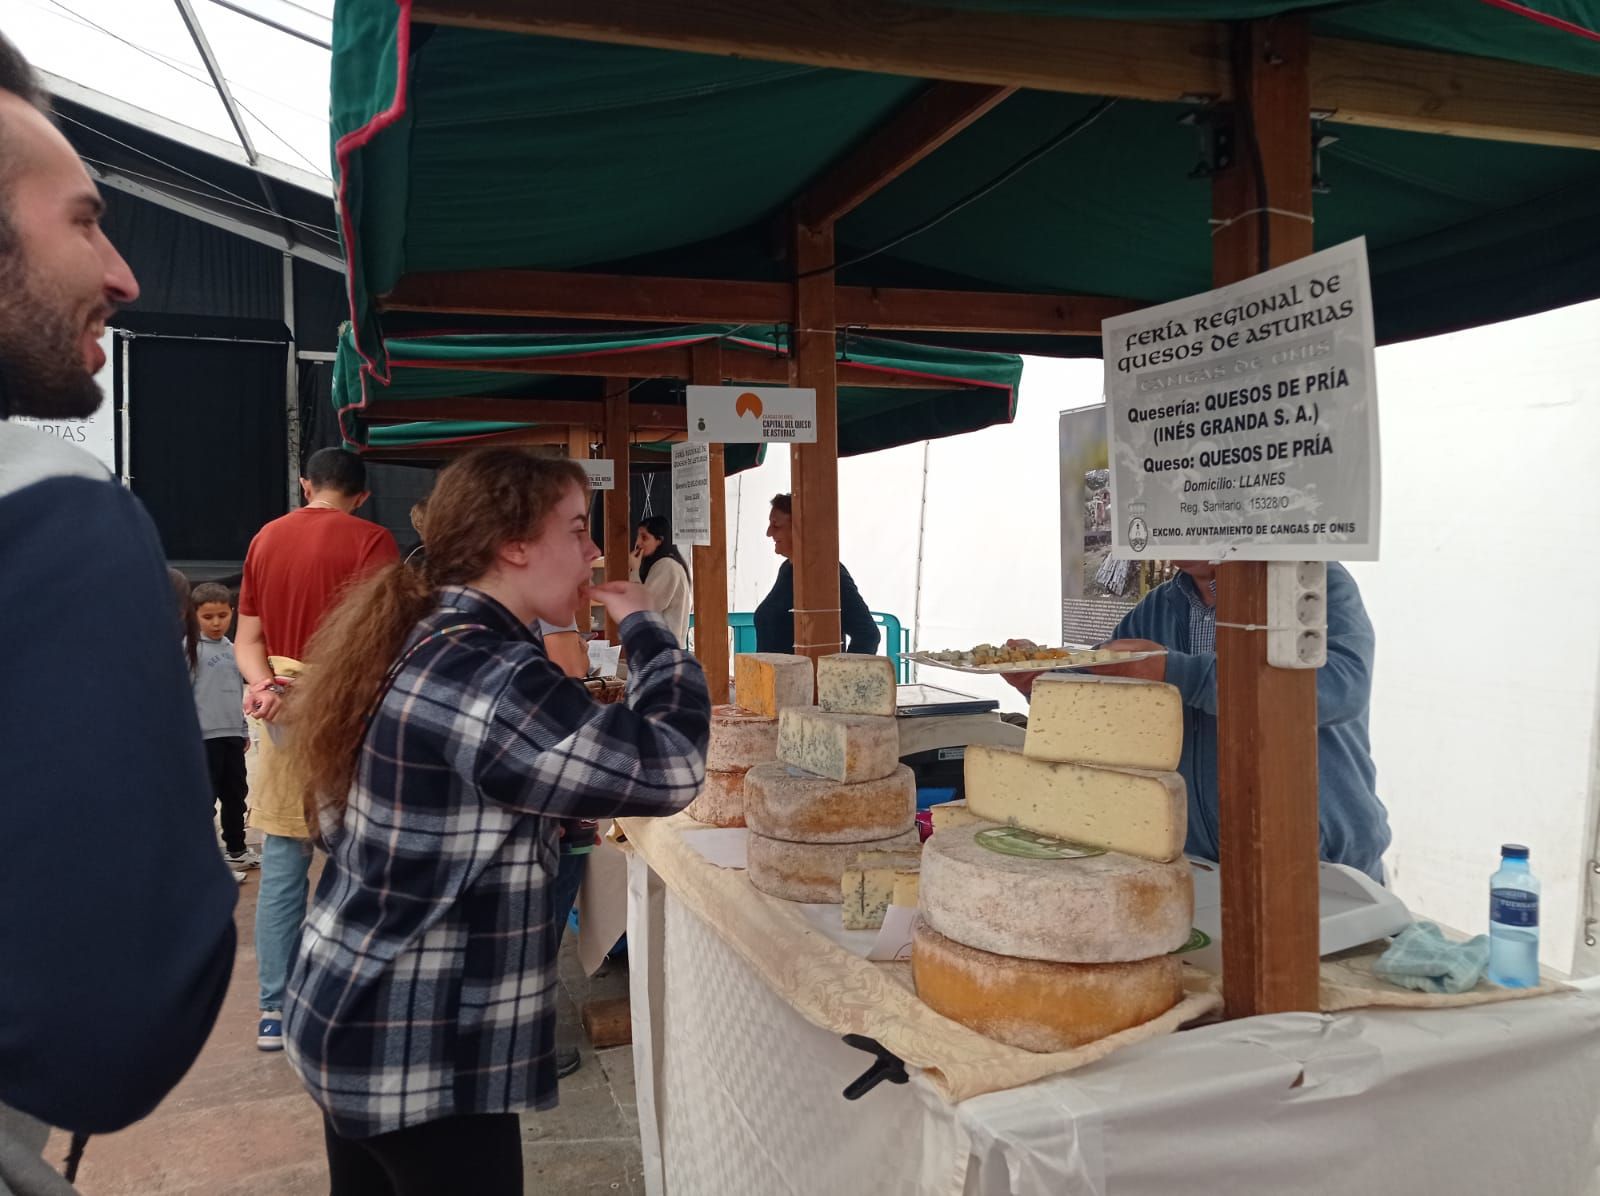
(752, 414)
(691, 494)
(1243, 423)
(98, 433)
(602, 473)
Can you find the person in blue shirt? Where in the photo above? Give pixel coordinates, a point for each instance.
(1180, 617)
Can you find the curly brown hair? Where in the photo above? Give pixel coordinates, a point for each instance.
(481, 501)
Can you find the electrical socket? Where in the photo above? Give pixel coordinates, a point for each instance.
(1297, 614)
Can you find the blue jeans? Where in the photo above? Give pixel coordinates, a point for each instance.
(280, 912)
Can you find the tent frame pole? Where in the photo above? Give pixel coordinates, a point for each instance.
(711, 560)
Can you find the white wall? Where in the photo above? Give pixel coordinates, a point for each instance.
(1486, 600)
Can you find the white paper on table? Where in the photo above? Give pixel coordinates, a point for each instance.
(894, 936)
(724, 846)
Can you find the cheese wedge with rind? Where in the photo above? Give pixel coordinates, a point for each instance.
(1036, 1005)
(769, 682)
(846, 747)
(953, 813)
(874, 882)
(1115, 721)
(783, 802)
(853, 683)
(1097, 908)
(720, 801)
(810, 872)
(1135, 811)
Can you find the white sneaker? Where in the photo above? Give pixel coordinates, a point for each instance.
(242, 861)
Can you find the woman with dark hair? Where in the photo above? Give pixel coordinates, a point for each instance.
(657, 564)
(188, 619)
(774, 618)
(438, 750)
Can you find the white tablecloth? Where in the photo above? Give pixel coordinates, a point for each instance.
(738, 1094)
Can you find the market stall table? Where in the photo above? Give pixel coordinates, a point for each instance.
(739, 1092)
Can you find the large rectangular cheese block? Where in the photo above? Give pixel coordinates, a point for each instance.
(870, 886)
(769, 682)
(845, 747)
(851, 683)
(1105, 720)
(1135, 811)
(953, 813)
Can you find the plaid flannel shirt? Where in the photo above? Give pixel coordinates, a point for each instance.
(425, 981)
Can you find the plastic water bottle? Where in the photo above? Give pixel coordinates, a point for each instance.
(1514, 921)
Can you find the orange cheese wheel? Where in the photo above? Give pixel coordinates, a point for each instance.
(782, 802)
(721, 801)
(1034, 1004)
(740, 739)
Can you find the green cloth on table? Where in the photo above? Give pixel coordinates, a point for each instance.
(1422, 958)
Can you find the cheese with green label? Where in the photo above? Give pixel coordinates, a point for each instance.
(851, 683)
(870, 886)
(1118, 721)
(769, 682)
(810, 872)
(1038, 1005)
(783, 802)
(1014, 892)
(1135, 811)
(846, 747)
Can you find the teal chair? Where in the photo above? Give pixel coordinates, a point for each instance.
(895, 643)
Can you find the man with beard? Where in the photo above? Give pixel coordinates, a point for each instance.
(116, 912)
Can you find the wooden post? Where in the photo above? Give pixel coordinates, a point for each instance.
(1266, 717)
(619, 536)
(711, 560)
(815, 467)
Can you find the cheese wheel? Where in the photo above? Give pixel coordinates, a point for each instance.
(740, 739)
(846, 747)
(1120, 721)
(768, 682)
(782, 802)
(1094, 908)
(854, 683)
(721, 801)
(1035, 1005)
(811, 872)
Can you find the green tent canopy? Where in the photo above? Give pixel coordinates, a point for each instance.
(936, 391)
(460, 149)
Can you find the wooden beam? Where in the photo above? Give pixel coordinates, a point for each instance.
(640, 363)
(1266, 717)
(1361, 82)
(711, 560)
(619, 535)
(977, 311)
(579, 296)
(932, 118)
(814, 468)
(567, 412)
(742, 365)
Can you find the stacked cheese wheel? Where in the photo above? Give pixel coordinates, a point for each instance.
(1051, 905)
(746, 735)
(837, 788)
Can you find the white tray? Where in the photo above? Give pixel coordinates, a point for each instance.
(1079, 660)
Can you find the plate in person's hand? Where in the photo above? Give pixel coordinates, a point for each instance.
(1061, 658)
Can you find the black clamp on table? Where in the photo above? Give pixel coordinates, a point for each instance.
(886, 1065)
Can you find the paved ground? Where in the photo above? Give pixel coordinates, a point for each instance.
(240, 1124)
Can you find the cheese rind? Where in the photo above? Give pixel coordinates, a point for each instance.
(953, 813)
(1129, 810)
(872, 883)
(1116, 721)
(851, 683)
(1035, 1005)
(810, 872)
(720, 801)
(782, 802)
(770, 682)
(846, 747)
(1104, 908)
(740, 739)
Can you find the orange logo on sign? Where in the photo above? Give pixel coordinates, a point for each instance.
(748, 404)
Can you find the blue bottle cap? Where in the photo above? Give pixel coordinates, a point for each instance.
(1513, 851)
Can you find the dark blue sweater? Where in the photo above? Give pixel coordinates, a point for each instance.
(1354, 825)
(116, 910)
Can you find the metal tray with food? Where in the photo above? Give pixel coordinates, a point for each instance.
(989, 658)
